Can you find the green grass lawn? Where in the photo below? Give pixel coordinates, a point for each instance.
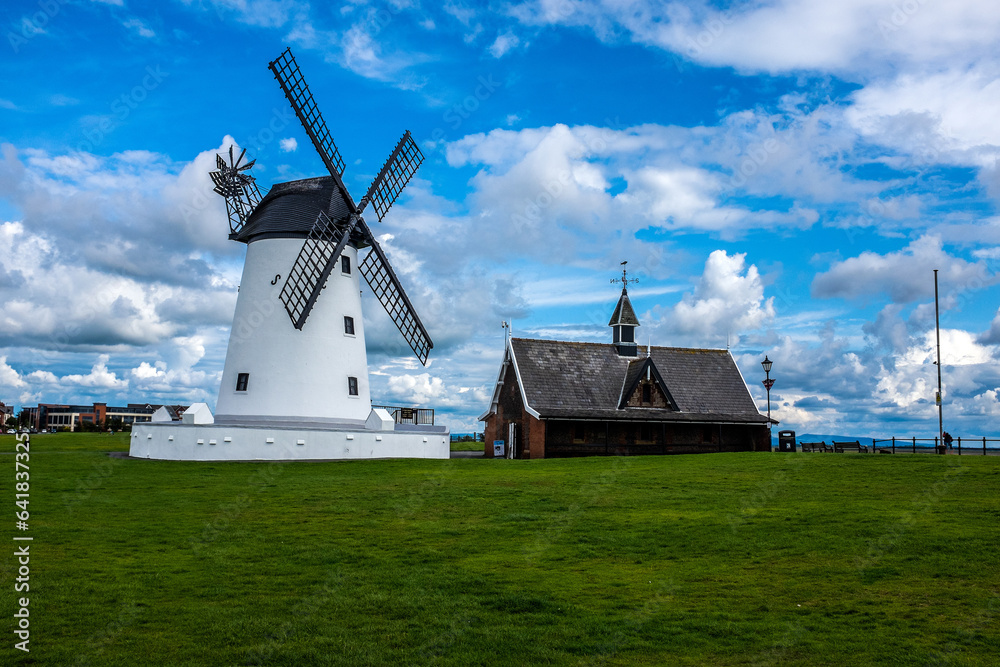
(719, 559)
(459, 446)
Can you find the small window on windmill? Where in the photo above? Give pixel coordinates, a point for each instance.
(345, 265)
(242, 380)
(348, 325)
(352, 386)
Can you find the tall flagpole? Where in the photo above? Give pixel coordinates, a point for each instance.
(937, 328)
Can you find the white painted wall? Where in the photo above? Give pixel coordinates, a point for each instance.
(296, 374)
(214, 442)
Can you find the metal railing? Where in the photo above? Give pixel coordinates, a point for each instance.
(972, 445)
(416, 416)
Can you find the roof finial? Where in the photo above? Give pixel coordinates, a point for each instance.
(624, 280)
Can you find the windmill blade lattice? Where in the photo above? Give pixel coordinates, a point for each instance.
(233, 181)
(385, 285)
(327, 239)
(313, 266)
(395, 174)
(286, 71)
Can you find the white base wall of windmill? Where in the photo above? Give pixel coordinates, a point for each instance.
(294, 375)
(213, 442)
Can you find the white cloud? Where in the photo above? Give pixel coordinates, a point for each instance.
(288, 145)
(503, 44)
(729, 297)
(788, 35)
(935, 117)
(904, 276)
(262, 13)
(421, 389)
(9, 378)
(910, 381)
(362, 49)
(99, 376)
(144, 371)
(139, 27)
(986, 403)
(992, 335)
(114, 256)
(60, 100)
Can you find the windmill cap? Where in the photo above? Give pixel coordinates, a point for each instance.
(289, 210)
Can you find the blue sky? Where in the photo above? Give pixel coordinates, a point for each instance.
(782, 176)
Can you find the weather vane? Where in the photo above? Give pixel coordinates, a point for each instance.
(624, 280)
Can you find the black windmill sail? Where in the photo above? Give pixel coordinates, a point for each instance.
(328, 237)
(234, 182)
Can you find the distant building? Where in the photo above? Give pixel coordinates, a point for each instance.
(72, 417)
(6, 412)
(557, 398)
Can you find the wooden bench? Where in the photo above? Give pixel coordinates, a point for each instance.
(856, 446)
(814, 446)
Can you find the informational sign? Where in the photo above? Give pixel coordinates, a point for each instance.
(498, 448)
(406, 413)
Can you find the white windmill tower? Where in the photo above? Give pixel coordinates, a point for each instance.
(309, 370)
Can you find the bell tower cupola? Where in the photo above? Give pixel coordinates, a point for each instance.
(624, 322)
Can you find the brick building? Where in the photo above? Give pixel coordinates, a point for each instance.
(556, 398)
(72, 417)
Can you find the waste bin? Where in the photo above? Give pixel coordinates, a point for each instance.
(786, 441)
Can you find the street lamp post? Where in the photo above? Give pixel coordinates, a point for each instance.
(768, 383)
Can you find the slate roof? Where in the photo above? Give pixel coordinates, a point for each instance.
(584, 381)
(289, 210)
(623, 312)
